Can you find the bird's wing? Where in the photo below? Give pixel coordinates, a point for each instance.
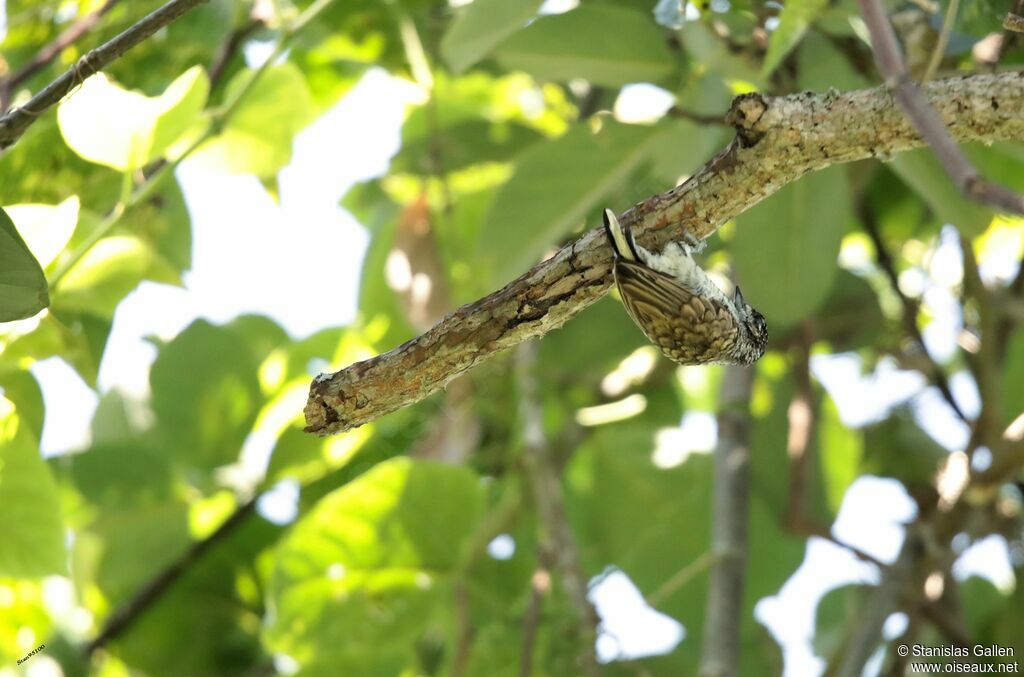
(687, 327)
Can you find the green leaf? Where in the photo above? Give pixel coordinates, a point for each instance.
(921, 171)
(604, 44)
(839, 451)
(31, 524)
(480, 27)
(837, 612)
(214, 609)
(46, 228)
(822, 66)
(104, 275)
(554, 186)
(205, 394)
(794, 19)
(785, 247)
(359, 576)
(898, 448)
(851, 318)
(20, 387)
(258, 137)
(594, 345)
(23, 291)
(112, 126)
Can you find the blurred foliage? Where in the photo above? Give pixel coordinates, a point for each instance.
(518, 139)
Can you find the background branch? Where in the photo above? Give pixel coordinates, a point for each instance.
(885, 262)
(883, 601)
(721, 652)
(556, 536)
(48, 53)
(14, 123)
(778, 140)
(926, 119)
(129, 612)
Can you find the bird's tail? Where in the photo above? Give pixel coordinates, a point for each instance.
(621, 241)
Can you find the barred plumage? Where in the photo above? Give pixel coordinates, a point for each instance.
(679, 308)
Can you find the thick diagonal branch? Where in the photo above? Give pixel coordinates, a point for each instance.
(778, 140)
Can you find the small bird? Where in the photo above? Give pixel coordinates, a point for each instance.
(679, 308)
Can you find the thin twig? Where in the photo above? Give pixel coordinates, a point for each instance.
(940, 46)
(14, 123)
(985, 365)
(934, 372)
(122, 618)
(540, 584)
(925, 118)
(227, 51)
(680, 578)
(556, 536)
(829, 128)
(463, 629)
(723, 618)
(802, 419)
(48, 53)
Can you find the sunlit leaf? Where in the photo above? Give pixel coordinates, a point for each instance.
(46, 228)
(258, 137)
(206, 394)
(104, 275)
(604, 44)
(554, 186)
(31, 524)
(480, 27)
(122, 129)
(385, 540)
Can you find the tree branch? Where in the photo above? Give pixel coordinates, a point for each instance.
(779, 139)
(48, 53)
(126, 614)
(926, 119)
(934, 372)
(883, 601)
(721, 652)
(14, 123)
(556, 536)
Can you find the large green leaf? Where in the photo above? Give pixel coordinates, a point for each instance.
(258, 137)
(205, 394)
(23, 291)
(358, 578)
(31, 524)
(480, 27)
(604, 44)
(125, 130)
(921, 171)
(786, 247)
(554, 186)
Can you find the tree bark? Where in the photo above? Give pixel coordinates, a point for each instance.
(778, 140)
